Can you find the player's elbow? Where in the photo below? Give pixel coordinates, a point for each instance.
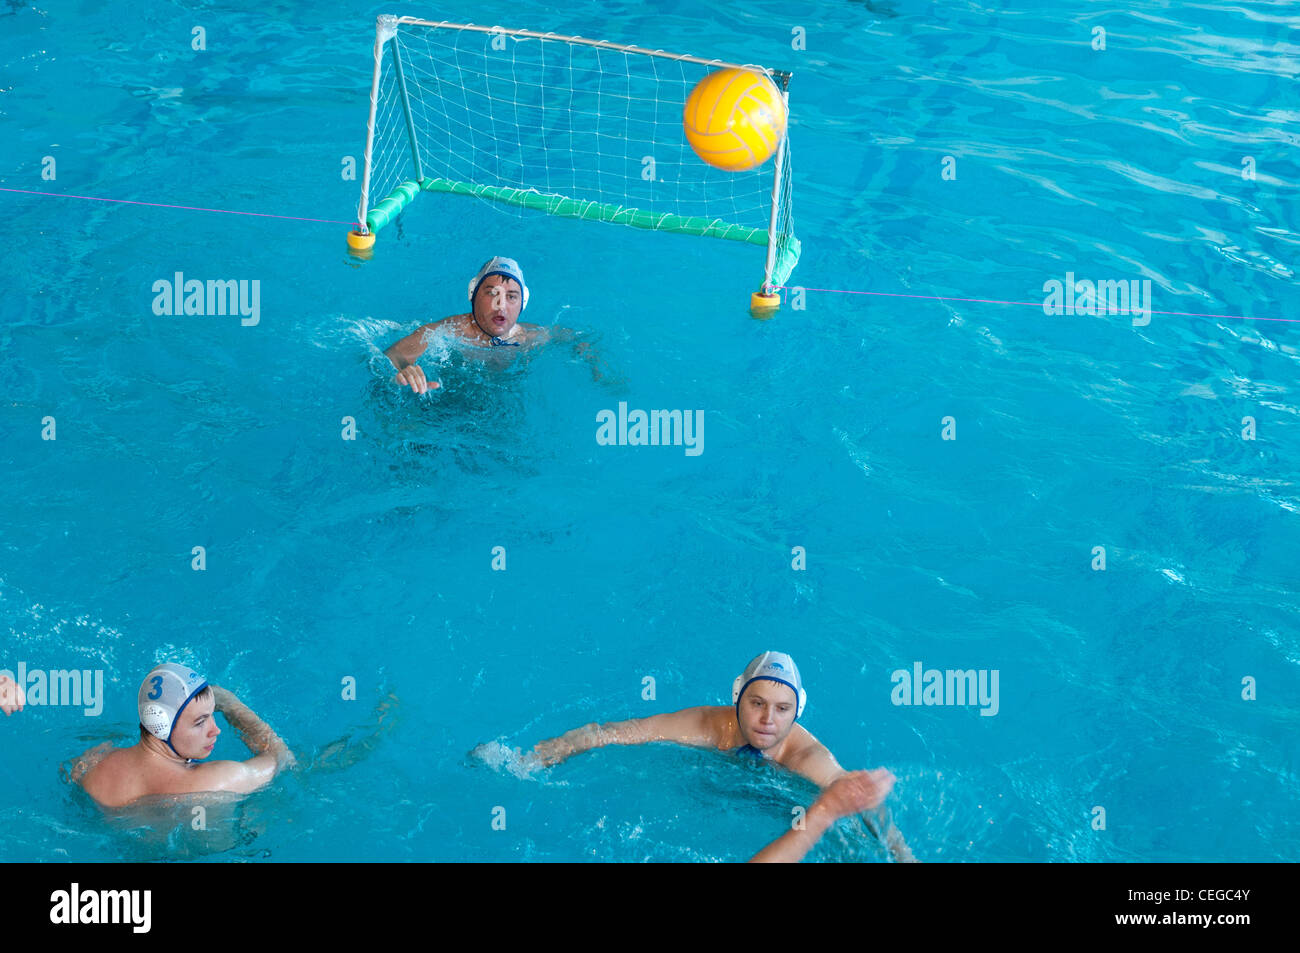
(258, 773)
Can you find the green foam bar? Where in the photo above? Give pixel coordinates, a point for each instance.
(391, 207)
(787, 256)
(602, 211)
(787, 252)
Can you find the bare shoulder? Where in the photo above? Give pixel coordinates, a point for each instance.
(803, 741)
(239, 777)
(807, 756)
(690, 726)
(110, 777)
(718, 722)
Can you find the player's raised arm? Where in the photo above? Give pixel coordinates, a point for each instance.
(253, 731)
(271, 754)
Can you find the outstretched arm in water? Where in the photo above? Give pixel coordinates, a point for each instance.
(690, 726)
(351, 748)
(583, 349)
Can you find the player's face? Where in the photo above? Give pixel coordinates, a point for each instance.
(497, 304)
(196, 733)
(767, 711)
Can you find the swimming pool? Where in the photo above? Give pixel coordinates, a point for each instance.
(371, 559)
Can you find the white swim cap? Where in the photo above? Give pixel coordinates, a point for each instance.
(163, 696)
(507, 268)
(775, 667)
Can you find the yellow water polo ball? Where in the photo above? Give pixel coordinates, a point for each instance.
(734, 119)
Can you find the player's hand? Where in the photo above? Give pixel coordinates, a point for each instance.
(413, 377)
(550, 752)
(222, 698)
(11, 696)
(858, 791)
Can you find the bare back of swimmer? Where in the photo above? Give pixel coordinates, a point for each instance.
(178, 729)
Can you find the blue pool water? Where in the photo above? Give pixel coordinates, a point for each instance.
(371, 559)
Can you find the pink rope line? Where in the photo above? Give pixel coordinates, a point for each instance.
(880, 294)
(1032, 304)
(189, 208)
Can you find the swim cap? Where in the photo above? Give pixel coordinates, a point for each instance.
(507, 268)
(775, 667)
(163, 696)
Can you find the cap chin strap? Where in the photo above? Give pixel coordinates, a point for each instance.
(177, 753)
(168, 741)
(172, 748)
(177, 717)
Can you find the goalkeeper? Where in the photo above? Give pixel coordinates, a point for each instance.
(497, 296)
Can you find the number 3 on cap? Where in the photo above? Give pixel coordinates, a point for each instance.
(157, 688)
